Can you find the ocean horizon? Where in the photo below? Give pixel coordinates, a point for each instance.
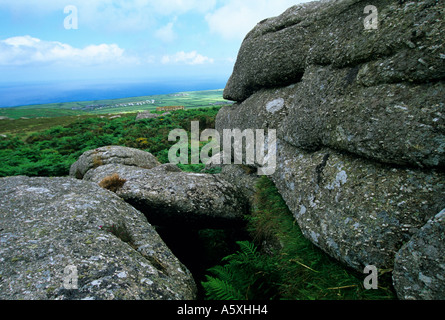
(36, 93)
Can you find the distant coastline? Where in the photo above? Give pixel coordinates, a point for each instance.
(24, 94)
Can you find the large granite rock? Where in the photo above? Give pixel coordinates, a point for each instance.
(385, 106)
(359, 211)
(170, 197)
(406, 47)
(419, 270)
(372, 193)
(48, 224)
(112, 154)
(360, 121)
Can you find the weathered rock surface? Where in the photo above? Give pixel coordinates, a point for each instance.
(373, 190)
(360, 212)
(112, 155)
(358, 91)
(360, 121)
(49, 224)
(168, 197)
(406, 47)
(419, 270)
(243, 178)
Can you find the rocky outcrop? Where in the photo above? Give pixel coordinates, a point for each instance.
(324, 186)
(376, 94)
(419, 270)
(112, 155)
(407, 45)
(359, 116)
(49, 224)
(170, 197)
(360, 212)
(149, 115)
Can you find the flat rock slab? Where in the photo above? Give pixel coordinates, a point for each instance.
(397, 123)
(48, 224)
(172, 198)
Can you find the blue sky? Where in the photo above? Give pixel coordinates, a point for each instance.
(125, 40)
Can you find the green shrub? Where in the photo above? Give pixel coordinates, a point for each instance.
(51, 152)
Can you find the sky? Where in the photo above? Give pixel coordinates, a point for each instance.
(131, 40)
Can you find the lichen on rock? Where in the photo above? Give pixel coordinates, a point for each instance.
(170, 197)
(360, 123)
(49, 224)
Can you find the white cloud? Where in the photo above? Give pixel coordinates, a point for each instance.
(166, 33)
(26, 50)
(229, 18)
(167, 7)
(236, 18)
(190, 58)
(112, 15)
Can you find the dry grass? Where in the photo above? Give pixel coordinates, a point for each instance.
(112, 183)
(97, 161)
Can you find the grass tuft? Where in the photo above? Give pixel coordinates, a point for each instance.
(112, 183)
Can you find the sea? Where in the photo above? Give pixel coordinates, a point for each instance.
(34, 93)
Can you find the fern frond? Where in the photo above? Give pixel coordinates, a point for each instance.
(222, 272)
(217, 289)
(248, 249)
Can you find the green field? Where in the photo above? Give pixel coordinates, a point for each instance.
(34, 118)
(195, 99)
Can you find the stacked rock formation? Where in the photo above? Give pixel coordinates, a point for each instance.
(165, 194)
(50, 224)
(360, 123)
